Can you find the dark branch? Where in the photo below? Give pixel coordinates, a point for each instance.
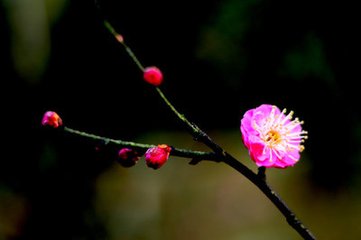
(221, 155)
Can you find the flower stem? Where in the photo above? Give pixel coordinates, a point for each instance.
(222, 155)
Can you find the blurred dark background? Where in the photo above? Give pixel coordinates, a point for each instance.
(219, 59)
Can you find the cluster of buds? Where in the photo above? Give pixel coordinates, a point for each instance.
(155, 157)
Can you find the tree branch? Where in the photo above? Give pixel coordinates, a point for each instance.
(219, 153)
(179, 152)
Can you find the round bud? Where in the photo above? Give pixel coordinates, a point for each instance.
(153, 76)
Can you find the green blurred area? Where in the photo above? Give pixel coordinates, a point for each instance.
(219, 60)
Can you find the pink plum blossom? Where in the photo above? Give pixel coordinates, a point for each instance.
(272, 138)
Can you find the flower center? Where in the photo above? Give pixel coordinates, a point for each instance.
(273, 137)
(279, 133)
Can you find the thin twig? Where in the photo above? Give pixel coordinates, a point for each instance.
(179, 152)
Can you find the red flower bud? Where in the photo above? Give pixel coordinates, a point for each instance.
(153, 76)
(119, 38)
(127, 157)
(51, 119)
(155, 157)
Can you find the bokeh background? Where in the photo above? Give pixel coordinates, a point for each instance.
(219, 59)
